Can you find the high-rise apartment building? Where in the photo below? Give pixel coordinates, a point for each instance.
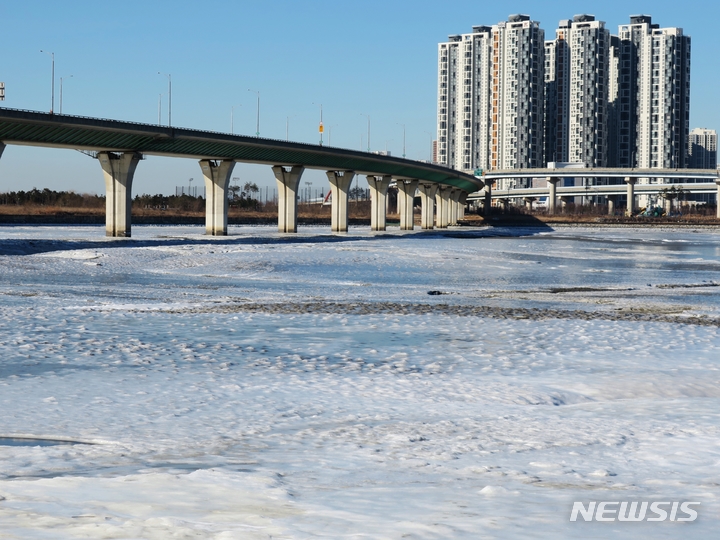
(464, 100)
(557, 90)
(507, 99)
(576, 86)
(490, 97)
(518, 94)
(702, 149)
(653, 102)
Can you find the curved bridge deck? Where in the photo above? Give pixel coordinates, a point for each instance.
(119, 146)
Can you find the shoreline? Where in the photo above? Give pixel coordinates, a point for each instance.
(80, 216)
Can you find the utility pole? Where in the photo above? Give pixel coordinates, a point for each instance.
(61, 88)
(257, 125)
(52, 92)
(169, 97)
(368, 133)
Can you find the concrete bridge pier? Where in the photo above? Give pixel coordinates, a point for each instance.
(630, 195)
(217, 179)
(427, 205)
(564, 201)
(287, 182)
(442, 200)
(340, 182)
(378, 200)
(717, 198)
(487, 202)
(529, 202)
(406, 198)
(552, 195)
(461, 208)
(611, 203)
(454, 206)
(118, 169)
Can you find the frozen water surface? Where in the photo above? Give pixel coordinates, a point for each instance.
(270, 386)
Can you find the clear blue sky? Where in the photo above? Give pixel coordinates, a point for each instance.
(371, 57)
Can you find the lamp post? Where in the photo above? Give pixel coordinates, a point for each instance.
(52, 91)
(169, 97)
(257, 125)
(431, 140)
(232, 119)
(321, 128)
(403, 126)
(287, 126)
(160, 110)
(61, 85)
(330, 134)
(368, 134)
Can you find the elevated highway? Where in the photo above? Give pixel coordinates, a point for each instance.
(120, 146)
(634, 182)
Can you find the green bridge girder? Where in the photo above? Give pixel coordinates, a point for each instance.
(95, 134)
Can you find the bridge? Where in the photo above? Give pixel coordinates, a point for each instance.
(705, 181)
(120, 146)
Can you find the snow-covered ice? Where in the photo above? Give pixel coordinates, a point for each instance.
(276, 386)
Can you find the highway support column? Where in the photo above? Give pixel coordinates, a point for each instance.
(217, 180)
(406, 198)
(487, 201)
(442, 199)
(552, 195)
(118, 169)
(462, 202)
(378, 200)
(427, 204)
(630, 195)
(455, 195)
(340, 182)
(287, 181)
(611, 203)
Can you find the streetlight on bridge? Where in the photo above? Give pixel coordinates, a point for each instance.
(330, 134)
(52, 92)
(232, 119)
(368, 135)
(403, 126)
(169, 76)
(61, 88)
(321, 128)
(431, 144)
(287, 126)
(257, 125)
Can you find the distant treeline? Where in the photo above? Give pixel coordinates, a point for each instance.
(70, 199)
(47, 197)
(188, 202)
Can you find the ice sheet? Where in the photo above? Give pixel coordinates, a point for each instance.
(263, 385)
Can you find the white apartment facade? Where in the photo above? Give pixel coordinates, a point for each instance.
(654, 95)
(490, 97)
(576, 86)
(464, 100)
(507, 99)
(518, 90)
